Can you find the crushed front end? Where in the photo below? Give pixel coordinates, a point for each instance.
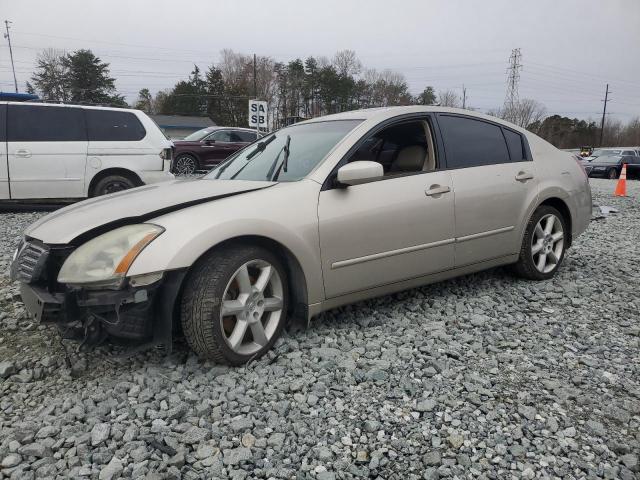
(138, 310)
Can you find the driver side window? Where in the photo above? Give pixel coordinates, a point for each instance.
(400, 148)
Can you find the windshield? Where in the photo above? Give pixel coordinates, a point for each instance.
(286, 155)
(199, 135)
(602, 153)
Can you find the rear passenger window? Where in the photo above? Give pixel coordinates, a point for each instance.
(113, 126)
(222, 136)
(470, 143)
(3, 123)
(33, 123)
(516, 146)
(246, 136)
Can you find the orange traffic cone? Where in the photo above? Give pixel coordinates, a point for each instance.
(621, 187)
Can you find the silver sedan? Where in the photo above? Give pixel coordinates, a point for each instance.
(316, 215)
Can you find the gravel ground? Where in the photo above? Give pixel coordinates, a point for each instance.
(485, 376)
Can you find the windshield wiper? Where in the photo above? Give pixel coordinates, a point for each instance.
(285, 160)
(259, 149)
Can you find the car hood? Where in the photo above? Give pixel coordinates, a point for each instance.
(83, 219)
(186, 143)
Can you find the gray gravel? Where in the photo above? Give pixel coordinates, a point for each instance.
(485, 376)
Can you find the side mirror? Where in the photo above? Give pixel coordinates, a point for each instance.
(359, 172)
(209, 141)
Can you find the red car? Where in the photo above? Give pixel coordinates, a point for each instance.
(204, 149)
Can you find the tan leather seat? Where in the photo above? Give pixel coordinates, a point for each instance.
(410, 159)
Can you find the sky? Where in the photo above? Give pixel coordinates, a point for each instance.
(570, 48)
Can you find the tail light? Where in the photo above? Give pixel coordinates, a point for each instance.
(166, 154)
(579, 162)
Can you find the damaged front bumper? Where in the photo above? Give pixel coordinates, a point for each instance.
(143, 315)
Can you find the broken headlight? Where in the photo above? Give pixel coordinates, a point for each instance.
(105, 260)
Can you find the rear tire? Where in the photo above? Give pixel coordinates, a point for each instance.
(543, 246)
(112, 184)
(247, 283)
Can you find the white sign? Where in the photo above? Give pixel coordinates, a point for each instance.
(257, 114)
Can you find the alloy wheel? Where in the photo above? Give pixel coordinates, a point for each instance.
(252, 307)
(185, 165)
(547, 243)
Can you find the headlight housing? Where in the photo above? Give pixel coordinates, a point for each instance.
(104, 261)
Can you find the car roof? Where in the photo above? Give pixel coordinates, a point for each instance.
(382, 113)
(221, 127)
(88, 107)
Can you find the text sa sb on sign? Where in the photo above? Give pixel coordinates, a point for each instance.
(257, 113)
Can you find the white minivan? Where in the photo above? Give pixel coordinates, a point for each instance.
(51, 151)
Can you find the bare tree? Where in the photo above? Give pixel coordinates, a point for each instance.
(449, 98)
(346, 63)
(630, 134)
(386, 88)
(526, 112)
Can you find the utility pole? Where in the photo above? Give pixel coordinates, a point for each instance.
(604, 112)
(512, 99)
(255, 82)
(6, 35)
(464, 96)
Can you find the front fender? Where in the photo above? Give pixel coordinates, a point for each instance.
(285, 213)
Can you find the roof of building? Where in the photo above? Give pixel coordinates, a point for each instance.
(182, 121)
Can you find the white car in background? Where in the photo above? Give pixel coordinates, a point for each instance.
(50, 152)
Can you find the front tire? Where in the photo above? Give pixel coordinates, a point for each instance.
(613, 174)
(543, 245)
(234, 305)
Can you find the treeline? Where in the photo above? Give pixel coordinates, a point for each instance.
(298, 89)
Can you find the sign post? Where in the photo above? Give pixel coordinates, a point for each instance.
(257, 115)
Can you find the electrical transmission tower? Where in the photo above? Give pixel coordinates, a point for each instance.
(511, 100)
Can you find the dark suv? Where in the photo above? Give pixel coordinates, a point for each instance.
(204, 149)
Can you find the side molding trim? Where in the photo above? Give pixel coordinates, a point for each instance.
(390, 253)
(415, 248)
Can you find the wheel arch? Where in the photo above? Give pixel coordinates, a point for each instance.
(113, 171)
(188, 152)
(564, 209)
(296, 279)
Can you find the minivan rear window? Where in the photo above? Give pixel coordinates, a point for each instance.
(35, 123)
(113, 126)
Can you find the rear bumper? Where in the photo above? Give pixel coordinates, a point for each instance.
(155, 176)
(143, 314)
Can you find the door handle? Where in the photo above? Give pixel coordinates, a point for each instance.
(435, 190)
(23, 153)
(524, 176)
